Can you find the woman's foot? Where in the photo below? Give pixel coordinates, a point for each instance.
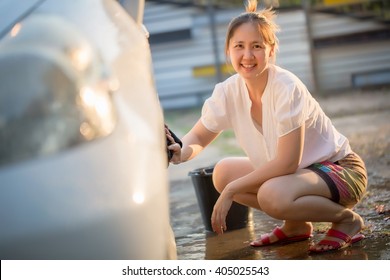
(288, 233)
(341, 235)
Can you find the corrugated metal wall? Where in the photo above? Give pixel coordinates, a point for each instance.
(338, 63)
(174, 61)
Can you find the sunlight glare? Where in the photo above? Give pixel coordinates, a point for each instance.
(138, 197)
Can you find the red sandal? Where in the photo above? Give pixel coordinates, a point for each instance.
(282, 238)
(336, 245)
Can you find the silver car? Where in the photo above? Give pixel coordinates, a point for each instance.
(82, 146)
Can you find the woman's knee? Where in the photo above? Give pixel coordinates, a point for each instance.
(272, 198)
(228, 170)
(220, 178)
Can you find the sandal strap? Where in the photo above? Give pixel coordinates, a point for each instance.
(279, 233)
(333, 244)
(265, 239)
(338, 234)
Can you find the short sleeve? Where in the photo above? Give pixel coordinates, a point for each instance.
(290, 109)
(214, 111)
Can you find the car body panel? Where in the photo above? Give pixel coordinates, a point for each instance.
(10, 13)
(107, 198)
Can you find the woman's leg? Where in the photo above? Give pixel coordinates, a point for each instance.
(304, 196)
(230, 169)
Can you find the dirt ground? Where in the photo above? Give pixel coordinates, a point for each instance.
(363, 116)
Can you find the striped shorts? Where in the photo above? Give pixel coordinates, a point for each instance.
(346, 178)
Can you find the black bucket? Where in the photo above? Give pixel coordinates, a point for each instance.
(207, 195)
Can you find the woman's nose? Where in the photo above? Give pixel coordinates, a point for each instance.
(248, 53)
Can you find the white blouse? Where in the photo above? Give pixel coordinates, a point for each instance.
(287, 104)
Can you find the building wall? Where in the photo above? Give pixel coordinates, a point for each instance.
(176, 62)
(183, 54)
(350, 52)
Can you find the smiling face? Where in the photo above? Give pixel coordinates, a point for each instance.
(248, 52)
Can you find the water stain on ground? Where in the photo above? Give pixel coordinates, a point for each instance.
(194, 242)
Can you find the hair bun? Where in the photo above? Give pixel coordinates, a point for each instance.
(251, 6)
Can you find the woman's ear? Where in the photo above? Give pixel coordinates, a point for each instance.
(227, 55)
(272, 51)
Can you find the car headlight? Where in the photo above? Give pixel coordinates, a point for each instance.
(54, 90)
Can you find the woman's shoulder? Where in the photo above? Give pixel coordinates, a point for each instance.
(233, 80)
(232, 84)
(284, 80)
(284, 76)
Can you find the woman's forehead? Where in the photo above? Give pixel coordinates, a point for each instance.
(247, 32)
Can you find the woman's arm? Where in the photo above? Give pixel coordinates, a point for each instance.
(193, 143)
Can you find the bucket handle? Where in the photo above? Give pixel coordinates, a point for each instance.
(207, 171)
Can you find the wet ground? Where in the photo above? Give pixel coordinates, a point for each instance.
(364, 118)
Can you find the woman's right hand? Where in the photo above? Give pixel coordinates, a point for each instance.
(176, 153)
(175, 148)
(174, 145)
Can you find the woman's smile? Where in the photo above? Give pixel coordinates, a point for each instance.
(248, 66)
(247, 51)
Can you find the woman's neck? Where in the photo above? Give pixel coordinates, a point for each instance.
(257, 85)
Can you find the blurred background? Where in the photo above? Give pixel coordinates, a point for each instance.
(339, 48)
(331, 45)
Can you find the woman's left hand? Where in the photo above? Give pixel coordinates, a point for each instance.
(220, 211)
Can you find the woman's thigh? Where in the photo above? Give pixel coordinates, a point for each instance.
(288, 188)
(230, 169)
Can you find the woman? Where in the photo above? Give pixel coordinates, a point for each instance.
(298, 168)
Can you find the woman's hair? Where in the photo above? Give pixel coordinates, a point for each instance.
(263, 18)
